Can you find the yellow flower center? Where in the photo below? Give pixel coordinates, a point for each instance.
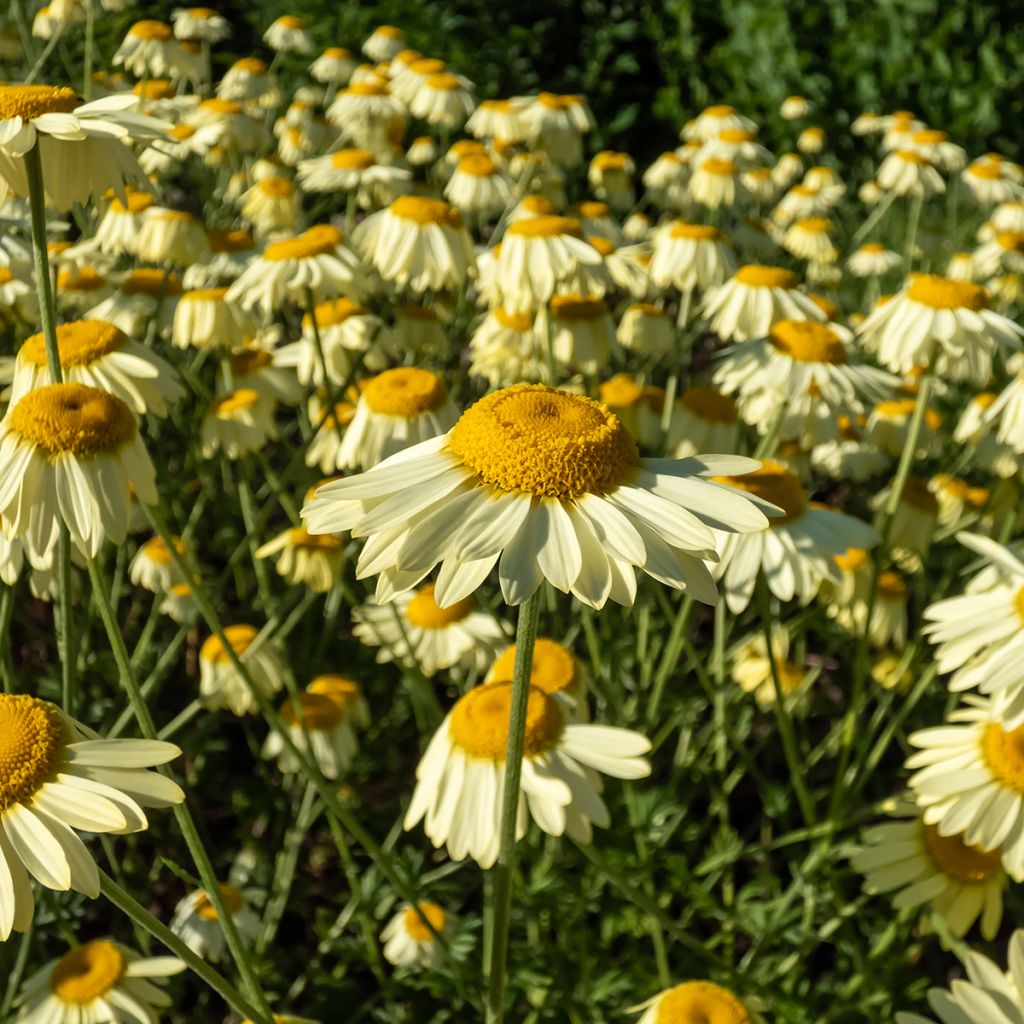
(917, 494)
(202, 13)
(476, 165)
(814, 225)
(276, 188)
(647, 309)
(29, 101)
(774, 483)
(943, 293)
(700, 1002)
(710, 405)
(538, 204)
(698, 232)
(1004, 754)
(553, 101)
(389, 32)
(405, 392)
(150, 282)
(969, 865)
(988, 170)
(87, 973)
(316, 713)
(332, 312)
(300, 537)
(317, 241)
(891, 585)
(205, 295)
(236, 240)
(621, 390)
(546, 227)
(80, 343)
(234, 903)
(536, 440)
(911, 156)
(291, 21)
(736, 135)
(150, 30)
(235, 402)
(337, 53)
(421, 210)
(155, 550)
(250, 361)
(605, 246)
(479, 722)
(719, 110)
(901, 408)
(250, 65)
(340, 416)
(82, 280)
(367, 89)
(720, 168)
(607, 160)
(73, 419)
(221, 107)
(514, 321)
(156, 89)
(342, 690)
(414, 926)
(1011, 241)
(239, 637)
(442, 83)
(592, 209)
(873, 247)
(807, 341)
(553, 669)
(31, 746)
(852, 560)
(757, 275)
(352, 159)
(424, 611)
(577, 307)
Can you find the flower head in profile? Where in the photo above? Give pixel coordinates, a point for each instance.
(543, 484)
(408, 940)
(693, 1002)
(196, 923)
(57, 776)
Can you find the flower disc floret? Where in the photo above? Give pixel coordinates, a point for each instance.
(955, 859)
(421, 210)
(239, 637)
(317, 241)
(232, 898)
(774, 483)
(577, 307)
(807, 341)
(80, 343)
(238, 401)
(697, 232)
(316, 712)
(87, 973)
(31, 745)
(758, 275)
(537, 440)
(423, 610)
(31, 101)
(546, 227)
(553, 669)
(943, 293)
(149, 281)
(352, 159)
(414, 923)
(479, 722)
(73, 419)
(700, 1002)
(405, 391)
(150, 30)
(1003, 752)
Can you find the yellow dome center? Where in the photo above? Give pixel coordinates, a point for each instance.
(970, 865)
(479, 722)
(423, 211)
(317, 241)
(943, 293)
(155, 89)
(891, 585)
(514, 321)
(352, 159)
(29, 101)
(405, 392)
(290, 21)
(546, 226)
(235, 402)
(710, 405)
(719, 110)
(31, 745)
(720, 168)
(276, 188)
(757, 275)
(873, 247)
(79, 280)
(698, 232)
(1004, 754)
(576, 307)
(73, 419)
(155, 550)
(80, 343)
(239, 637)
(154, 283)
(414, 926)
(250, 361)
(300, 537)
(605, 246)
(342, 690)
(476, 165)
(774, 483)
(538, 204)
(533, 439)
(234, 903)
(553, 669)
(316, 713)
(332, 312)
(807, 341)
(700, 1002)
(205, 295)
(250, 66)
(87, 973)
(423, 610)
(987, 170)
(622, 390)
(152, 31)
(852, 560)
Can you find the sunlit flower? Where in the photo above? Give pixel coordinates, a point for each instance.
(368, 115)
(220, 684)
(152, 567)
(691, 256)
(703, 420)
(237, 423)
(288, 34)
(384, 42)
(196, 923)
(304, 559)
(142, 297)
(752, 670)
(199, 23)
(694, 1001)
(793, 108)
(407, 940)
(556, 125)
(714, 120)
(908, 172)
(271, 205)
(554, 669)
(205, 319)
(811, 140)
(355, 171)
(118, 229)
(149, 50)
(477, 186)
(873, 259)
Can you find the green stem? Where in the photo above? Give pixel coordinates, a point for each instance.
(190, 832)
(90, 36)
(670, 658)
(497, 968)
(6, 613)
(17, 972)
(142, 917)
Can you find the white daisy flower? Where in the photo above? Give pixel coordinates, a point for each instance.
(554, 669)
(354, 171)
(714, 120)
(195, 922)
(407, 940)
(237, 423)
(333, 67)
(204, 318)
(199, 23)
(304, 559)
(873, 259)
(909, 172)
(118, 230)
(550, 484)
(506, 347)
(143, 295)
(149, 50)
(384, 42)
(703, 420)
(57, 776)
(221, 686)
(152, 567)
(646, 329)
(695, 1001)
(1006, 414)
(691, 256)
(288, 34)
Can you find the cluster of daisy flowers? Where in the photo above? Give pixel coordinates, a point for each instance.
(440, 376)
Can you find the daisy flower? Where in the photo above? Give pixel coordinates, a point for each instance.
(610, 175)
(1006, 414)
(554, 669)
(204, 318)
(912, 860)
(691, 256)
(703, 420)
(81, 146)
(549, 483)
(237, 423)
(581, 330)
(714, 120)
(333, 67)
(458, 788)
(478, 186)
(170, 236)
(888, 427)
(407, 940)
(195, 922)
(934, 317)
(316, 261)
(384, 42)
(555, 124)
(417, 243)
(873, 259)
(909, 172)
(253, 367)
(325, 721)
(271, 205)
(443, 99)
(199, 23)
(304, 559)
(101, 982)
(396, 409)
(715, 183)
(793, 108)
(646, 329)
(152, 567)
(368, 115)
(797, 551)
(694, 1001)
(57, 776)
(354, 171)
(752, 670)
(118, 230)
(807, 239)
(288, 34)
(144, 295)
(221, 686)
(99, 355)
(68, 451)
(989, 182)
(913, 523)
(149, 50)
(415, 631)
(754, 299)
(638, 407)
